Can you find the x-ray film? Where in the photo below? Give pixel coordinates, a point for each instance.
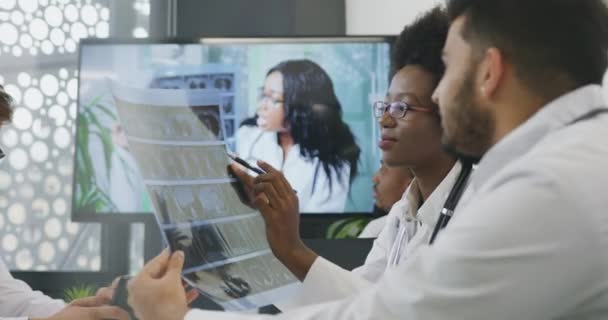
(177, 141)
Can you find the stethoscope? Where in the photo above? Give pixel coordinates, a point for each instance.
(467, 166)
(446, 212)
(452, 201)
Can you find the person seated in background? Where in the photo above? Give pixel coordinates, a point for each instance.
(298, 128)
(389, 185)
(19, 301)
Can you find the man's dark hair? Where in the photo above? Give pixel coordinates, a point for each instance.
(421, 43)
(6, 106)
(555, 45)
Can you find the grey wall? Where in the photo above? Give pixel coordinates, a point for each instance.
(213, 18)
(320, 17)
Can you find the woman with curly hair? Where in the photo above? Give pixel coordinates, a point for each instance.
(411, 137)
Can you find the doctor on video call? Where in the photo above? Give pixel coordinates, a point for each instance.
(298, 128)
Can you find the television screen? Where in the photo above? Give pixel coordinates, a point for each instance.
(302, 105)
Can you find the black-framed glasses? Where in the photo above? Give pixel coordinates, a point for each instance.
(396, 109)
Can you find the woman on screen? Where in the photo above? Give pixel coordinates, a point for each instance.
(411, 133)
(298, 127)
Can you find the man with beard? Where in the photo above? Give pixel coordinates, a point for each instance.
(521, 93)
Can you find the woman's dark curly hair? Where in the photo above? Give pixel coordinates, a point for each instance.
(421, 43)
(313, 116)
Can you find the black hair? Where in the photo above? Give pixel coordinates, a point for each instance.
(555, 45)
(421, 43)
(313, 116)
(6, 106)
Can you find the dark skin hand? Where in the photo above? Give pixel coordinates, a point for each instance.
(274, 197)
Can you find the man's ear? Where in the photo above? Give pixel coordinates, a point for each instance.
(491, 73)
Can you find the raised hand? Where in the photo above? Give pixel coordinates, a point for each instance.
(278, 203)
(157, 293)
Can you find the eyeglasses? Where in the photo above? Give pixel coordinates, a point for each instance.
(2, 155)
(396, 109)
(264, 99)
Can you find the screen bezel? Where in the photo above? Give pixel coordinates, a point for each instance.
(312, 220)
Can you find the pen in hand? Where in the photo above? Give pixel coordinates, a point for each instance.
(246, 164)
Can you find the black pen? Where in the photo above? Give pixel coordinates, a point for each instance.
(244, 163)
(247, 165)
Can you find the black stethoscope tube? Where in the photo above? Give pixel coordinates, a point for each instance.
(450, 204)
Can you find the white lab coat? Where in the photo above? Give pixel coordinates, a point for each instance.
(255, 144)
(530, 243)
(373, 228)
(19, 301)
(408, 226)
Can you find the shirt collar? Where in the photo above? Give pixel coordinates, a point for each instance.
(428, 213)
(554, 115)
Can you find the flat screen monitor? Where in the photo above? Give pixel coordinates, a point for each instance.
(301, 104)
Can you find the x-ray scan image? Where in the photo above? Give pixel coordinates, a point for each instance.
(178, 143)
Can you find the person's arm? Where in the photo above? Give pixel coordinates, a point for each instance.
(326, 281)
(278, 204)
(519, 251)
(18, 299)
(19, 302)
(273, 195)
